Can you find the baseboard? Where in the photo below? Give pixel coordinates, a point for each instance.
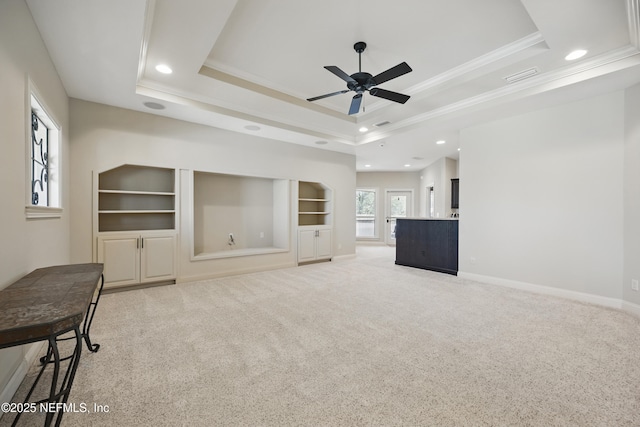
(343, 257)
(18, 376)
(631, 308)
(545, 290)
(115, 289)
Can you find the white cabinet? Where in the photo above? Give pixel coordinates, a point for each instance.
(135, 258)
(314, 244)
(315, 211)
(134, 220)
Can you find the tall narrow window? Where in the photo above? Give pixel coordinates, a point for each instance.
(432, 203)
(365, 213)
(39, 161)
(43, 179)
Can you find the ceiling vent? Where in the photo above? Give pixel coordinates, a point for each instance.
(386, 122)
(522, 75)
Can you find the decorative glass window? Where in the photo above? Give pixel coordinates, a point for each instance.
(365, 213)
(39, 161)
(43, 182)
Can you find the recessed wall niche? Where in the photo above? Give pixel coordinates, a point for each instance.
(236, 215)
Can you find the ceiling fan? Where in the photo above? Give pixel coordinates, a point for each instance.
(360, 82)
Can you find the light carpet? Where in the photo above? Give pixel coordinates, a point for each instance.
(356, 342)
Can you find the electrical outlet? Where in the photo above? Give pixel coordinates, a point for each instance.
(634, 284)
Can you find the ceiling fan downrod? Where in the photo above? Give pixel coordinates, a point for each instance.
(360, 47)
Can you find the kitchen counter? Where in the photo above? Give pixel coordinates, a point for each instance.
(428, 243)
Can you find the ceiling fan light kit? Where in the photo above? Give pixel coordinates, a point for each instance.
(361, 82)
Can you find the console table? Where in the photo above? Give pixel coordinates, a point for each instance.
(46, 305)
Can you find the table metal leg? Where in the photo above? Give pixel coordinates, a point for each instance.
(58, 394)
(88, 319)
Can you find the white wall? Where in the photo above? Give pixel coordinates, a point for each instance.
(231, 204)
(632, 195)
(103, 137)
(383, 181)
(541, 198)
(438, 175)
(26, 245)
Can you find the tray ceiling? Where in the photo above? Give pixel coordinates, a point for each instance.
(238, 64)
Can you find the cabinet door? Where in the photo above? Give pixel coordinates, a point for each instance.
(157, 257)
(121, 259)
(306, 245)
(323, 244)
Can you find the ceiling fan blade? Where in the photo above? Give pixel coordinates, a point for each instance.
(338, 72)
(392, 73)
(328, 95)
(391, 96)
(355, 104)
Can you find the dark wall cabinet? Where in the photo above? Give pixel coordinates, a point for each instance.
(455, 193)
(431, 244)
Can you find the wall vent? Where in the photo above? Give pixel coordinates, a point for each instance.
(522, 75)
(386, 122)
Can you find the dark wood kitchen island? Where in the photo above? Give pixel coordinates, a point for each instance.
(431, 244)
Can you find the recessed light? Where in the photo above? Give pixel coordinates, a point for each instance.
(407, 165)
(367, 166)
(458, 149)
(579, 53)
(252, 127)
(154, 105)
(418, 158)
(363, 129)
(164, 69)
(321, 142)
(442, 141)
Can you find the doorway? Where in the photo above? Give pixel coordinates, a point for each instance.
(398, 204)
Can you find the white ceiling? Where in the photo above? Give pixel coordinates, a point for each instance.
(238, 63)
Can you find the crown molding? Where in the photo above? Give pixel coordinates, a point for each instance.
(633, 19)
(149, 12)
(480, 62)
(219, 71)
(537, 84)
(469, 67)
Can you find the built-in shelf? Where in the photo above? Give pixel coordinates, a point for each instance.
(314, 204)
(135, 231)
(237, 253)
(314, 222)
(151, 193)
(134, 198)
(237, 215)
(146, 211)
